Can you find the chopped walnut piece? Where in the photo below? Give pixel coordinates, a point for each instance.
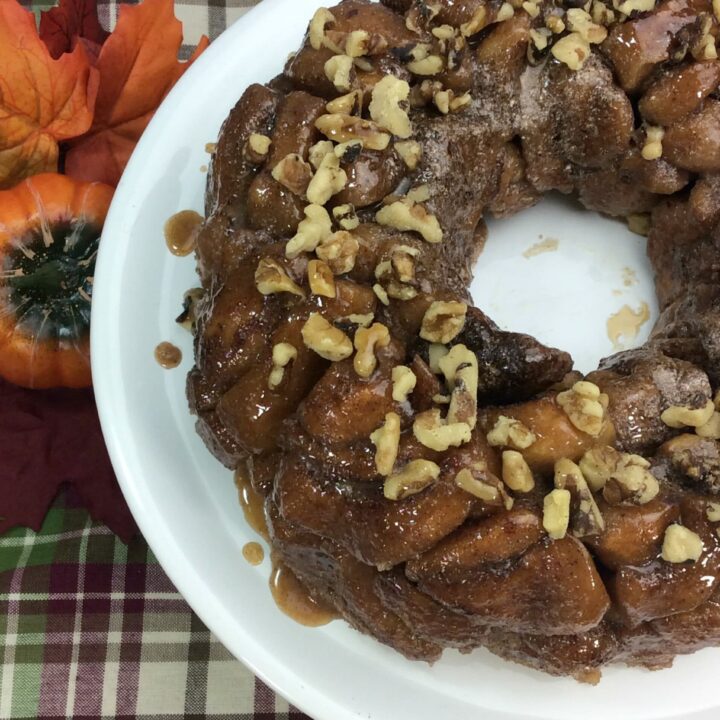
(653, 149)
(477, 22)
(402, 259)
(587, 519)
(439, 399)
(677, 416)
(410, 152)
(318, 152)
(580, 21)
(419, 194)
(321, 19)
(443, 321)
(283, 353)
(531, 8)
(681, 544)
(460, 367)
(555, 24)
(631, 480)
(598, 464)
(329, 180)
(412, 479)
(346, 217)
(360, 43)
(711, 429)
(505, 12)
(339, 251)
(349, 104)
(483, 486)
(556, 513)
(516, 472)
(258, 147)
(437, 434)
(436, 351)
(381, 294)
(338, 70)
(349, 151)
(431, 65)
(293, 173)
(572, 49)
(271, 278)
(404, 381)
(311, 231)
(325, 339)
(510, 432)
(716, 9)
(585, 406)
(629, 6)
(388, 107)
(321, 279)
(712, 512)
(602, 14)
(366, 342)
(360, 319)
(386, 440)
(341, 127)
(407, 216)
(540, 37)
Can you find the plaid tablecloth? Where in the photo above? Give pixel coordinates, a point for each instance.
(93, 628)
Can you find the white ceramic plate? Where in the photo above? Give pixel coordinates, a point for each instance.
(185, 502)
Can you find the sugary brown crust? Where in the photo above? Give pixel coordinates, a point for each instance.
(560, 524)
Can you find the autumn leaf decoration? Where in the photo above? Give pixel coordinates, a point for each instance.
(77, 97)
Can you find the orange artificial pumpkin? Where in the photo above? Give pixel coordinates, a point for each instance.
(49, 233)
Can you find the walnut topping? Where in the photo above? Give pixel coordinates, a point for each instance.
(402, 260)
(602, 14)
(681, 544)
(322, 18)
(446, 101)
(598, 464)
(315, 227)
(677, 416)
(460, 367)
(407, 216)
(283, 353)
(587, 519)
(341, 127)
(329, 180)
(510, 432)
(419, 194)
(585, 406)
(346, 217)
(321, 279)
(573, 50)
(293, 173)
(361, 42)
(555, 24)
(516, 472)
(412, 479)
(388, 107)
(556, 513)
(404, 381)
(631, 480)
(443, 321)
(484, 486)
(711, 429)
(653, 149)
(381, 294)
(338, 70)
(271, 278)
(444, 32)
(318, 152)
(386, 440)
(325, 339)
(339, 251)
(505, 12)
(437, 434)
(349, 151)
(348, 104)
(360, 319)
(436, 352)
(712, 512)
(476, 23)
(580, 21)
(531, 8)
(716, 9)
(431, 65)
(366, 341)
(258, 147)
(540, 37)
(629, 6)
(410, 152)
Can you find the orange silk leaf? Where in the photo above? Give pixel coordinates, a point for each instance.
(138, 66)
(42, 101)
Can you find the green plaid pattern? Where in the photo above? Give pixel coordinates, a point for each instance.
(93, 628)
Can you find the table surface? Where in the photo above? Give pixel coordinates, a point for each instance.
(93, 628)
